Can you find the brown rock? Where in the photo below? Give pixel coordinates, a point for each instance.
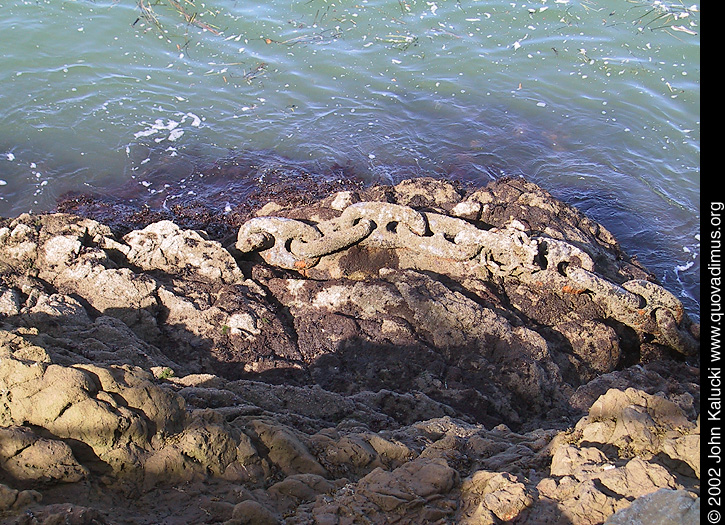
(27, 457)
(415, 482)
(493, 493)
(249, 512)
(163, 377)
(285, 450)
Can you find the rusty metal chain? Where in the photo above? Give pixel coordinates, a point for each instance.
(637, 303)
(296, 245)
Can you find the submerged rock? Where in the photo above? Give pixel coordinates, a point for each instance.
(414, 353)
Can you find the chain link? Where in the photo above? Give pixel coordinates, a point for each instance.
(273, 236)
(296, 245)
(336, 236)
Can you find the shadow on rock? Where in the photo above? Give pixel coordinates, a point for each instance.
(211, 385)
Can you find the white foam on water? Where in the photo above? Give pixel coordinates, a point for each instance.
(171, 125)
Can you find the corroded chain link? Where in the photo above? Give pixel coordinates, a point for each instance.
(296, 245)
(638, 302)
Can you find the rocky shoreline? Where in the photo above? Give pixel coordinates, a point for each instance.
(416, 353)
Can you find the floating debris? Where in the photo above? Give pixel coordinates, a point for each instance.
(684, 30)
(257, 71)
(323, 37)
(148, 13)
(175, 132)
(401, 42)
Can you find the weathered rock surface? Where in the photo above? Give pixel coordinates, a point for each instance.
(408, 354)
(664, 507)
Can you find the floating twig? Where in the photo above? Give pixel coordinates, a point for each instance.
(258, 70)
(192, 18)
(401, 42)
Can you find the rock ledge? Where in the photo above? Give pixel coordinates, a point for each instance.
(412, 354)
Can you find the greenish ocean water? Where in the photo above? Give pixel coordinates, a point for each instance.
(596, 101)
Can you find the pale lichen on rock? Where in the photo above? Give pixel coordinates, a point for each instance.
(414, 353)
